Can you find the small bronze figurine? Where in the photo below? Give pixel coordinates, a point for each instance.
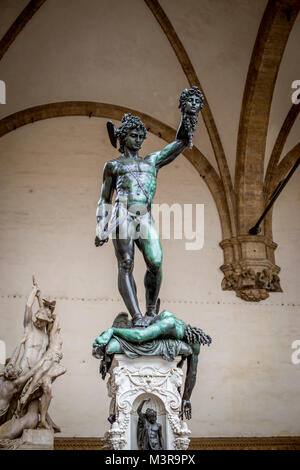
(149, 432)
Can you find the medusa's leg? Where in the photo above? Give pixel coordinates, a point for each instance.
(166, 326)
(162, 328)
(104, 338)
(113, 347)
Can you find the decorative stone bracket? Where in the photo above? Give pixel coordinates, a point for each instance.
(249, 267)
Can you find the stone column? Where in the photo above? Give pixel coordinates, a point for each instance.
(132, 380)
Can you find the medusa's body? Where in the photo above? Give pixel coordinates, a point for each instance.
(165, 327)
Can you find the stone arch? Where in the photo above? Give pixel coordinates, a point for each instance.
(112, 111)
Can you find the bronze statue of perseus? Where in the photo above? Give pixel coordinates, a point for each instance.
(134, 178)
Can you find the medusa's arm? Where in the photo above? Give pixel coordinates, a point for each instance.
(190, 380)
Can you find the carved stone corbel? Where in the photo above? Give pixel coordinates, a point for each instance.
(249, 267)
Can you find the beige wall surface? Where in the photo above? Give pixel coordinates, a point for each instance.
(50, 175)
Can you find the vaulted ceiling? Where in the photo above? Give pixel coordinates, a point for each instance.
(77, 50)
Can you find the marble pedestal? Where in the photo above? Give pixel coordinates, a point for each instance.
(31, 439)
(37, 439)
(132, 380)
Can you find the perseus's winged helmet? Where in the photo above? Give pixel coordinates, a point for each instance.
(128, 122)
(112, 133)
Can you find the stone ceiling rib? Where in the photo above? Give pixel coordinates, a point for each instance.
(280, 171)
(17, 26)
(278, 147)
(268, 50)
(209, 121)
(287, 162)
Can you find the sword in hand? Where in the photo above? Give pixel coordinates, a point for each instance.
(102, 236)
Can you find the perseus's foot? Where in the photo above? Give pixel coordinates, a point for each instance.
(145, 321)
(150, 313)
(138, 322)
(153, 310)
(149, 320)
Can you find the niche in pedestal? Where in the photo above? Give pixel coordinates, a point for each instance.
(155, 404)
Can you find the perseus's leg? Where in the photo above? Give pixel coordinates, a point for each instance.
(150, 246)
(124, 249)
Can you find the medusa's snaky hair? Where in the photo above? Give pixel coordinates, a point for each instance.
(194, 91)
(192, 334)
(129, 122)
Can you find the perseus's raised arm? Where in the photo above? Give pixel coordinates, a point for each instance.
(103, 211)
(190, 103)
(172, 150)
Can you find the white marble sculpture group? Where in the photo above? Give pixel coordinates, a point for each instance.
(26, 378)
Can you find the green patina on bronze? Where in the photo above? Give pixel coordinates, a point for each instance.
(167, 336)
(134, 179)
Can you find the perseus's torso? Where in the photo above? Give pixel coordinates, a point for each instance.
(135, 179)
